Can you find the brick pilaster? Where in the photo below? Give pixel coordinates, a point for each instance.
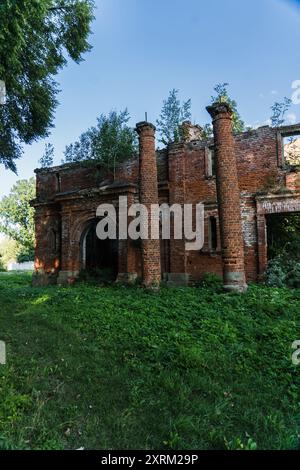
(228, 199)
(177, 195)
(48, 245)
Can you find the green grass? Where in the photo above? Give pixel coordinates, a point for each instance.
(124, 368)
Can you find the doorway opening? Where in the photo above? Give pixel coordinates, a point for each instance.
(283, 234)
(99, 257)
(283, 238)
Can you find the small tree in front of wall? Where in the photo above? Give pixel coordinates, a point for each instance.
(172, 115)
(46, 161)
(222, 96)
(110, 142)
(279, 112)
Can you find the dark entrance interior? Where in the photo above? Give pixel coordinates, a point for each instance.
(100, 257)
(283, 234)
(165, 256)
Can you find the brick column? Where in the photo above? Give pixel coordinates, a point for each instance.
(151, 270)
(232, 239)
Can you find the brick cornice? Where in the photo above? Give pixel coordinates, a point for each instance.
(220, 110)
(143, 126)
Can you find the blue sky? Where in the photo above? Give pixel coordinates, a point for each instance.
(142, 49)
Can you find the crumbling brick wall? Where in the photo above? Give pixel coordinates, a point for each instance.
(68, 196)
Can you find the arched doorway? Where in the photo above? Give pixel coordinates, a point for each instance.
(99, 257)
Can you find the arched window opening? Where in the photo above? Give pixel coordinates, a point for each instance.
(213, 234)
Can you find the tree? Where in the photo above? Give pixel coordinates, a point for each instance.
(207, 132)
(9, 251)
(83, 149)
(17, 217)
(36, 38)
(47, 159)
(279, 112)
(110, 142)
(292, 150)
(172, 115)
(222, 96)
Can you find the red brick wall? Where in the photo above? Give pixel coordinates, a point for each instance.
(182, 177)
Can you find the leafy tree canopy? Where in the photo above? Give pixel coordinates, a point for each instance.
(36, 38)
(46, 161)
(110, 142)
(172, 115)
(222, 96)
(17, 216)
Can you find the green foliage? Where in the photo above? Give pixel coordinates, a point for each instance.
(123, 368)
(284, 235)
(47, 159)
(222, 96)
(25, 254)
(110, 142)
(5, 445)
(283, 271)
(284, 251)
(207, 132)
(98, 276)
(279, 110)
(36, 38)
(172, 115)
(238, 444)
(212, 281)
(292, 151)
(276, 273)
(17, 217)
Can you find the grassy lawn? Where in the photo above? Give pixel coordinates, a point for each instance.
(123, 368)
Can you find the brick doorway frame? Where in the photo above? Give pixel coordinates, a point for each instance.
(288, 203)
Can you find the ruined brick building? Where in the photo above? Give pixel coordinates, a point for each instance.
(243, 180)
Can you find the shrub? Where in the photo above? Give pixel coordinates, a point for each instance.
(276, 274)
(212, 281)
(237, 444)
(283, 272)
(293, 276)
(5, 445)
(97, 276)
(284, 251)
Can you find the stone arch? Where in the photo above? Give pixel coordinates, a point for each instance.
(96, 255)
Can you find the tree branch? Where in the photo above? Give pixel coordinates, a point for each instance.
(60, 8)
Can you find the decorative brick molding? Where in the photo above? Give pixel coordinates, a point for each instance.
(271, 204)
